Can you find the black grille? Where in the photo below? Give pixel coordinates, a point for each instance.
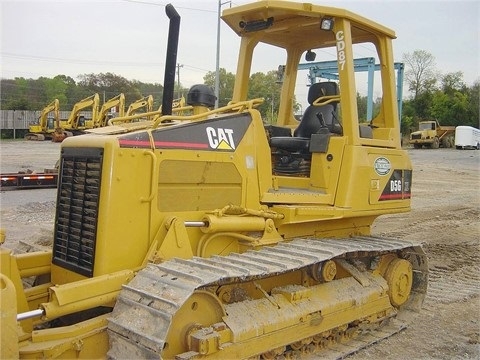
(77, 209)
(416, 136)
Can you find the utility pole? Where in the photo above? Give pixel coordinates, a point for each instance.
(178, 77)
(217, 70)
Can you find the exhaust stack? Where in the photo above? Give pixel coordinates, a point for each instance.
(171, 59)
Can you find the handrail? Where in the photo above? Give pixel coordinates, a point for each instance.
(152, 185)
(324, 100)
(237, 106)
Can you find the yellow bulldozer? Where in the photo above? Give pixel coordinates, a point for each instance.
(215, 235)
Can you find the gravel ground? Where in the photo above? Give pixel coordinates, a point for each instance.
(444, 217)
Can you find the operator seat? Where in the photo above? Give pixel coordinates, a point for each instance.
(311, 120)
(317, 119)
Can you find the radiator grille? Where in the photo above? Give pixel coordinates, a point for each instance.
(77, 209)
(416, 136)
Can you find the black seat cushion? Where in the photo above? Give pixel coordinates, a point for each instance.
(311, 122)
(291, 144)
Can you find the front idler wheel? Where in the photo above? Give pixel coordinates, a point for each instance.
(399, 276)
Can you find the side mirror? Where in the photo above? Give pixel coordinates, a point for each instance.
(310, 55)
(280, 74)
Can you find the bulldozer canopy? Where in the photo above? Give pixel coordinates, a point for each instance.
(301, 21)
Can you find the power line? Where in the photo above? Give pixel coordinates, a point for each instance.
(78, 61)
(196, 68)
(160, 4)
(91, 62)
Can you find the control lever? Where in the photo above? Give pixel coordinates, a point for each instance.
(323, 126)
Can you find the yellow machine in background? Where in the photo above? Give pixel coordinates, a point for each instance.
(214, 235)
(431, 135)
(145, 102)
(149, 117)
(103, 114)
(76, 123)
(46, 125)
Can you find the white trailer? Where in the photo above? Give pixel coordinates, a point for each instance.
(467, 137)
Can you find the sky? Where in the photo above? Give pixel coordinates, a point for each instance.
(128, 37)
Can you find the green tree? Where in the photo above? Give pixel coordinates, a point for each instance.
(452, 82)
(226, 84)
(107, 85)
(266, 86)
(422, 105)
(420, 73)
(61, 87)
(450, 104)
(261, 85)
(362, 107)
(408, 123)
(20, 94)
(56, 88)
(8, 91)
(450, 109)
(473, 106)
(145, 89)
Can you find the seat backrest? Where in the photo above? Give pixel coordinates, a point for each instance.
(310, 123)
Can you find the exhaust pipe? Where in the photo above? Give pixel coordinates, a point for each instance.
(171, 59)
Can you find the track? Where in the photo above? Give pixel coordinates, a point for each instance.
(146, 308)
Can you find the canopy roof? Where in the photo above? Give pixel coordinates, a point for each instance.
(294, 23)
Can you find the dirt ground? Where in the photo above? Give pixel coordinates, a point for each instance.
(444, 217)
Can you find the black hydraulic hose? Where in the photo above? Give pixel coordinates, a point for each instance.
(171, 59)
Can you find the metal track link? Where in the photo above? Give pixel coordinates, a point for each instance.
(142, 316)
(367, 338)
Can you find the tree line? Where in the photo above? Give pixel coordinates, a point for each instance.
(444, 97)
(34, 94)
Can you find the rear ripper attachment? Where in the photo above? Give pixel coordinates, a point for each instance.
(304, 296)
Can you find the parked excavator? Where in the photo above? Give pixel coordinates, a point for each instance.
(179, 107)
(76, 124)
(103, 114)
(46, 124)
(145, 102)
(215, 235)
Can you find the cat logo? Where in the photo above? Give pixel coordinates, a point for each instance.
(221, 139)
